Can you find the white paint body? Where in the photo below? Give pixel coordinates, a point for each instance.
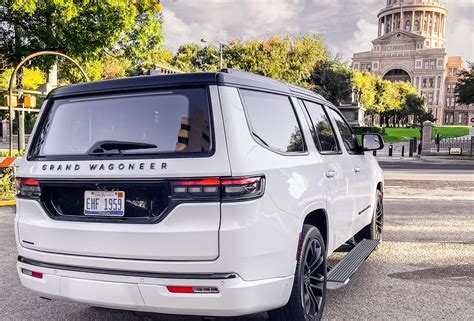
(256, 240)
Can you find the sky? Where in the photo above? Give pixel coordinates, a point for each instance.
(348, 26)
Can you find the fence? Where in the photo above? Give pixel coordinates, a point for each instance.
(466, 144)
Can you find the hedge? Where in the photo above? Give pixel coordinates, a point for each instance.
(364, 130)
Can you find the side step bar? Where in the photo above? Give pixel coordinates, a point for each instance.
(340, 274)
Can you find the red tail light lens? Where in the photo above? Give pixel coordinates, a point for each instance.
(196, 189)
(29, 188)
(244, 188)
(217, 189)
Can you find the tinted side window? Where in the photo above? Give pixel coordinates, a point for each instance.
(348, 137)
(273, 121)
(324, 136)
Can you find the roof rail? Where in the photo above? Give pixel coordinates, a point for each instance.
(301, 90)
(249, 75)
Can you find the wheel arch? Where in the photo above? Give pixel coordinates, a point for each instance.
(319, 219)
(380, 187)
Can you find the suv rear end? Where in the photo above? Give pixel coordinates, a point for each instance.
(127, 199)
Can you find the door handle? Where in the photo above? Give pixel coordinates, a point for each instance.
(356, 169)
(331, 173)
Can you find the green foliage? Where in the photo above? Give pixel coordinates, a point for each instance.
(7, 178)
(465, 86)
(286, 58)
(368, 129)
(7, 184)
(333, 80)
(364, 88)
(32, 78)
(83, 29)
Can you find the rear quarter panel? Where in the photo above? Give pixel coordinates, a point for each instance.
(294, 186)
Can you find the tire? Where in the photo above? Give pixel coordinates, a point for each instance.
(308, 295)
(373, 231)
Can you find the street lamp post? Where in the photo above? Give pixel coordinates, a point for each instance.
(21, 134)
(221, 51)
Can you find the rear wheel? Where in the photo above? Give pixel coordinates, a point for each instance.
(309, 288)
(374, 230)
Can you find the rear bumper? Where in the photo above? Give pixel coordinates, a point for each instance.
(148, 293)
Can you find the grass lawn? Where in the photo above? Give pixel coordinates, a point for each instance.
(404, 134)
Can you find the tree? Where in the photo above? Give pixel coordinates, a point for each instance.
(286, 58)
(465, 86)
(83, 29)
(333, 80)
(382, 98)
(32, 78)
(363, 86)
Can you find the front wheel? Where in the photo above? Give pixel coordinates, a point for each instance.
(308, 295)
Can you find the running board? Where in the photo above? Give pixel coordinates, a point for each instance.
(340, 274)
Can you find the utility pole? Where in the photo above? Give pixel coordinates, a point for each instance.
(221, 51)
(221, 56)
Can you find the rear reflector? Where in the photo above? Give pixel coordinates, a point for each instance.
(192, 290)
(33, 274)
(180, 289)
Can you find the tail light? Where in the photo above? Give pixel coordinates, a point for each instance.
(27, 187)
(192, 289)
(225, 189)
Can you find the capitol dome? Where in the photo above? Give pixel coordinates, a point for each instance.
(423, 17)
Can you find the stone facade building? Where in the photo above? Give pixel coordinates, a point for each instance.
(411, 46)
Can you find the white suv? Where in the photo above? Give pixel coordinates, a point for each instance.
(214, 194)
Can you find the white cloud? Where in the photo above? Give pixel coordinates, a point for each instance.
(348, 25)
(361, 39)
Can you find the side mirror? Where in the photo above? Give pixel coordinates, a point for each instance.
(372, 141)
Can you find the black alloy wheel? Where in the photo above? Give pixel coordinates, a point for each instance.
(308, 295)
(378, 228)
(314, 275)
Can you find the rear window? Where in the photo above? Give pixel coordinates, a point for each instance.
(160, 122)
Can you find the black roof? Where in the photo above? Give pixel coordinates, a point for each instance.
(228, 77)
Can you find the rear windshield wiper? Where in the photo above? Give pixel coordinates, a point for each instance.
(106, 146)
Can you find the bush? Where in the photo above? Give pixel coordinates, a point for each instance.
(7, 178)
(368, 129)
(7, 184)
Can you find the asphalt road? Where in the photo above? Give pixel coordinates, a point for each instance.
(423, 270)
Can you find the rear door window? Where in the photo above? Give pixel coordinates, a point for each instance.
(174, 121)
(323, 133)
(273, 121)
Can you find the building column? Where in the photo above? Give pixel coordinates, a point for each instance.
(422, 21)
(393, 22)
(413, 20)
(380, 26)
(432, 25)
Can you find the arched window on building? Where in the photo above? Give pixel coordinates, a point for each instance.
(408, 25)
(416, 26)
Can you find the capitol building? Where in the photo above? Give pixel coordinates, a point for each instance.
(411, 46)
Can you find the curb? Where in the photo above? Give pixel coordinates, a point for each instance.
(7, 203)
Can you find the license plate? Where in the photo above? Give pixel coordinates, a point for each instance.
(104, 203)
